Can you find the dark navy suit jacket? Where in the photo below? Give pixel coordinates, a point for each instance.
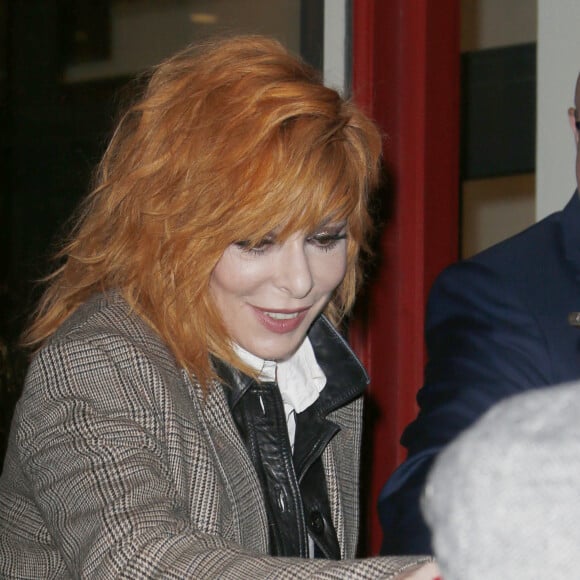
(497, 324)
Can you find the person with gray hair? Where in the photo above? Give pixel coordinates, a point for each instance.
(502, 500)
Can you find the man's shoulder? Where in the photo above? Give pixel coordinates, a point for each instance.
(548, 239)
(539, 248)
(538, 267)
(541, 240)
(520, 256)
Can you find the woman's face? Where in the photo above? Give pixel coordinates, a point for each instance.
(269, 295)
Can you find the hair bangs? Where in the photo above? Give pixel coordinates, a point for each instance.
(292, 183)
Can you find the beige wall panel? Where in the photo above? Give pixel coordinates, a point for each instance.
(494, 23)
(495, 209)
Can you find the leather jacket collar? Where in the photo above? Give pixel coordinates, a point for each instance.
(346, 378)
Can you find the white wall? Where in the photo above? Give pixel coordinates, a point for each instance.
(558, 66)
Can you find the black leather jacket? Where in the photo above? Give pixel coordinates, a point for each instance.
(294, 485)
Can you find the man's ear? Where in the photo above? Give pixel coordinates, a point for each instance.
(572, 120)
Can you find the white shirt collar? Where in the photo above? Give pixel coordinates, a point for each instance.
(300, 378)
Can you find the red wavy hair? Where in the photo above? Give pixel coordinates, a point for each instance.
(229, 140)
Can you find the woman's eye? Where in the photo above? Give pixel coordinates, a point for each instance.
(258, 248)
(327, 240)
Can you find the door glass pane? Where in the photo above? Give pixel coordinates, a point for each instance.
(140, 33)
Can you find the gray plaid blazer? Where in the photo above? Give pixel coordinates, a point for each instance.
(119, 467)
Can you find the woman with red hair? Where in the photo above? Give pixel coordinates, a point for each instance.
(191, 410)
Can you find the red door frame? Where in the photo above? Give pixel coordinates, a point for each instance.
(406, 66)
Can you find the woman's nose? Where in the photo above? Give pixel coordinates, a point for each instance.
(294, 270)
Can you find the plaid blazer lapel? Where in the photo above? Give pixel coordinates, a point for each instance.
(240, 485)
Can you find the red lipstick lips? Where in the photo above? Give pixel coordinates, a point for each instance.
(280, 321)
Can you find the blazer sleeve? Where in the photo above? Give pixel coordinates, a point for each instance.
(483, 345)
(94, 447)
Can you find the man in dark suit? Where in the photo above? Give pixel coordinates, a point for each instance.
(502, 322)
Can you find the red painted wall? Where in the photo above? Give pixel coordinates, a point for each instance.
(406, 66)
